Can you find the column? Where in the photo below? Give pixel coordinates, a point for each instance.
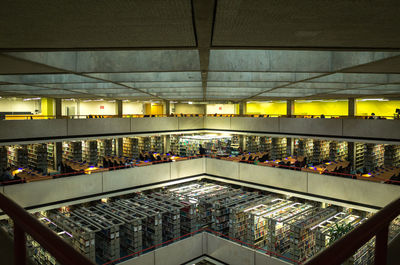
(351, 154)
(167, 108)
(290, 107)
(167, 143)
(118, 108)
(57, 154)
(352, 104)
(147, 109)
(119, 146)
(242, 108)
(58, 103)
(290, 146)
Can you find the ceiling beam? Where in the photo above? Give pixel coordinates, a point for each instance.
(204, 15)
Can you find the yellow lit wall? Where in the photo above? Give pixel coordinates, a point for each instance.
(380, 108)
(156, 109)
(339, 108)
(266, 108)
(47, 106)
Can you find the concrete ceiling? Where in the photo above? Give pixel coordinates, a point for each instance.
(200, 49)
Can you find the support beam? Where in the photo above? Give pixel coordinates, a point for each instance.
(167, 107)
(352, 104)
(58, 110)
(243, 108)
(203, 18)
(118, 108)
(57, 155)
(290, 107)
(119, 146)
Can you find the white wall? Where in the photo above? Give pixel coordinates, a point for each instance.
(188, 108)
(70, 104)
(18, 105)
(93, 107)
(132, 108)
(221, 109)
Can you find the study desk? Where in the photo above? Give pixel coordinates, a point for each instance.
(76, 166)
(31, 175)
(380, 175)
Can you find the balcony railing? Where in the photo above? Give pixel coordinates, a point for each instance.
(24, 224)
(377, 225)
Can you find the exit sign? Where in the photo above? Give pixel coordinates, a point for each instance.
(101, 107)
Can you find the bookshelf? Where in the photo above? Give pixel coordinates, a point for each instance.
(174, 143)
(337, 150)
(304, 147)
(265, 144)
(131, 147)
(104, 148)
(252, 144)
(374, 156)
(321, 151)
(392, 156)
(90, 152)
(3, 159)
(278, 148)
(72, 151)
(37, 157)
(18, 156)
(51, 152)
(157, 144)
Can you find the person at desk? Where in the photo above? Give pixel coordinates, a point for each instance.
(322, 116)
(151, 157)
(264, 158)
(7, 175)
(202, 151)
(372, 117)
(142, 157)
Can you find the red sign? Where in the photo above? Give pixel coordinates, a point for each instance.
(220, 108)
(101, 107)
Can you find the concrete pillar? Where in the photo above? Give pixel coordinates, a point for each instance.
(289, 107)
(243, 142)
(57, 154)
(118, 108)
(119, 147)
(167, 143)
(352, 104)
(147, 109)
(167, 108)
(290, 146)
(351, 154)
(57, 103)
(78, 108)
(243, 108)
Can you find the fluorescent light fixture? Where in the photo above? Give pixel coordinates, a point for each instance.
(190, 102)
(125, 100)
(28, 99)
(373, 99)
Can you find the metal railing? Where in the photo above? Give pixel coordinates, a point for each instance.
(25, 223)
(345, 247)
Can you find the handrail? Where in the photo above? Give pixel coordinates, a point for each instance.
(377, 225)
(25, 223)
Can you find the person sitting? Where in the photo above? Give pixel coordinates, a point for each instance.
(372, 117)
(264, 158)
(322, 116)
(202, 151)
